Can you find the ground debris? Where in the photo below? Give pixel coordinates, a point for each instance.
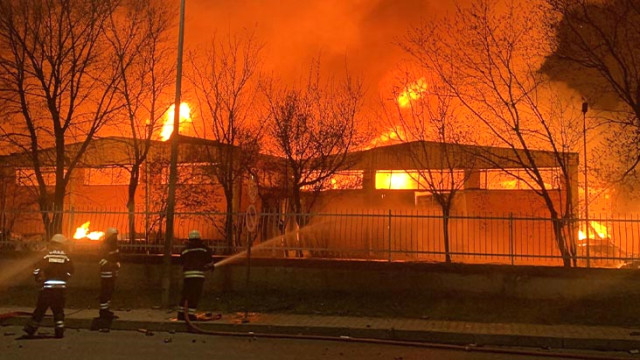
(168, 340)
(146, 332)
(9, 333)
(634, 351)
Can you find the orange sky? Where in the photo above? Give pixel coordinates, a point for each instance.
(362, 32)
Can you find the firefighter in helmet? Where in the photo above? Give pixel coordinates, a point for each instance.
(53, 271)
(195, 259)
(109, 266)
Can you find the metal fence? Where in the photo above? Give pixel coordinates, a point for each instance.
(369, 235)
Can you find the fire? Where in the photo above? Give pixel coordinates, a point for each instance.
(392, 136)
(185, 118)
(595, 228)
(396, 180)
(412, 92)
(83, 232)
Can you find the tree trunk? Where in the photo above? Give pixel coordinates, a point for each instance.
(297, 204)
(228, 220)
(445, 231)
(560, 240)
(131, 202)
(55, 225)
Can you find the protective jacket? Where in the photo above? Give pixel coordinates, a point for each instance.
(110, 260)
(53, 270)
(195, 258)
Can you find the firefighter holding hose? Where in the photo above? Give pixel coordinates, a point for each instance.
(196, 259)
(109, 266)
(53, 271)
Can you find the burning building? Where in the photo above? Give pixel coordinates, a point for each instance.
(382, 178)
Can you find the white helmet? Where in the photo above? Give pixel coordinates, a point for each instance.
(194, 234)
(111, 231)
(59, 239)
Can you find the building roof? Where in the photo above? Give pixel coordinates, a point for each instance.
(116, 150)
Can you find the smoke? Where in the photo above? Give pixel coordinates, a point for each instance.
(359, 33)
(20, 268)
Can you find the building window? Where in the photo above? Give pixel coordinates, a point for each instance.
(112, 175)
(192, 174)
(518, 179)
(419, 179)
(27, 176)
(340, 180)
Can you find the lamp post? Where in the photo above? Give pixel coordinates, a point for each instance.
(148, 134)
(173, 169)
(585, 108)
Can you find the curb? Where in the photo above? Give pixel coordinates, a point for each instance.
(340, 333)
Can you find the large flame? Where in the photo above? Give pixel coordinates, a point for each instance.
(185, 118)
(396, 180)
(412, 92)
(83, 232)
(596, 231)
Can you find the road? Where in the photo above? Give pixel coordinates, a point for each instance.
(84, 344)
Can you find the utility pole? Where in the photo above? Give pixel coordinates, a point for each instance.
(585, 108)
(173, 170)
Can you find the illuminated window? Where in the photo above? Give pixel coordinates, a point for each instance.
(512, 179)
(27, 176)
(341, 180)
(419, 180)
(106, 176)
(396, 180)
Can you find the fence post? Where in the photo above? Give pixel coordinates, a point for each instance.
(389, 234)
(511, 238)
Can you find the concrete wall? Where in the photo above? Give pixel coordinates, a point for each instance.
(144, 273)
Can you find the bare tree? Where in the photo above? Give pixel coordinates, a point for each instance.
(137, 35)
(313, 126)
(226, 80)
(488, 57)
(427, 122)
(59, 82)
(597, 52)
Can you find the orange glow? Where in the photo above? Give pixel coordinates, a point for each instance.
(392, 136)
(509, 184)
(412, 92)
(396, 180)
(595, 229)
(185, 119)
(83, 232)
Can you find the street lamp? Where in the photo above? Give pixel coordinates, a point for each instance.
(585, 108)
(173, 169)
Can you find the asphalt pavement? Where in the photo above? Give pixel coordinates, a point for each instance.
(130, 344)
(359, 329)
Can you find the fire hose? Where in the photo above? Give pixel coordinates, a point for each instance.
(13, 314)
(468, 348)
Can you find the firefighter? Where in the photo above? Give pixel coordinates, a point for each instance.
(109, 266)
(196, 259)
(53, 271)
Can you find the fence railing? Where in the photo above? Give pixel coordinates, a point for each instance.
(370, 234)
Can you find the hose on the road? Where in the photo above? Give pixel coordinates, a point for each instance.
(13, 314)
(468, 348)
